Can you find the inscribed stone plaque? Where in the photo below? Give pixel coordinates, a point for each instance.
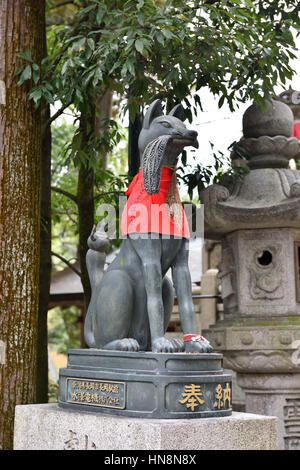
(103, 393)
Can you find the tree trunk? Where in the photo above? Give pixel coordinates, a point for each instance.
(103, 113)
(93, 126)
(45, 253)
(85, 195)
(85, 203)
(21, 28)
(45, 263)
(134, 130)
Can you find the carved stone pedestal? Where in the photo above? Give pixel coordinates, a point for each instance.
(146, 384)
(266, 361)
(279, 395)
(49, 427)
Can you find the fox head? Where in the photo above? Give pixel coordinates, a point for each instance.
(168, 129)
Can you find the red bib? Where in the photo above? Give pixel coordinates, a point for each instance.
(144, 213)
(296, 130)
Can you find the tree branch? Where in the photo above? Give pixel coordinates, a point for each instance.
(62, 4)
(65, 193)
(57, 114)
(106, 194)
(67, 263)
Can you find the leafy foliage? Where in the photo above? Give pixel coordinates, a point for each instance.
(64, 329)
(144, 49)
(147, 49)
(220, 172)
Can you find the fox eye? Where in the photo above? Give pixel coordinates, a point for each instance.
(166, 124)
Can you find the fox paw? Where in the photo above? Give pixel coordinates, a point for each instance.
(164, 345)
(124, 344)
(196, 343)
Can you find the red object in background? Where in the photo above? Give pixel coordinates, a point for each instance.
(187, 338)
(144, 213)
(296, 130)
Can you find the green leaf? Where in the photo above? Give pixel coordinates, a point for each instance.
(91, 44)
(139, 45)
(131, 68)
(167, 33)
(27, 72)
(79, 95)
(77, 45)
(26, 75)
(89, 8)
(99, 16)
(76, 142)
(26, 56)
(48, 96)
(64, 67)
(19, 70)
(35, 95)
(161, 39)
(221, 101)
(35, 73)
(98, 76)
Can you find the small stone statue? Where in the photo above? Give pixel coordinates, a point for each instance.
(132, 303)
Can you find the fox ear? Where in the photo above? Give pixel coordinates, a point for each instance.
(178, 112)
(154, 110)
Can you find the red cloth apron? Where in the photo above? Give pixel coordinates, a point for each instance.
(296, 130)
(144, 213)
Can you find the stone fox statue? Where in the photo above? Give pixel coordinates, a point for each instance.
(132, 302)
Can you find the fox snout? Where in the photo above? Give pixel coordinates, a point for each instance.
(187, 137)
(192, 134)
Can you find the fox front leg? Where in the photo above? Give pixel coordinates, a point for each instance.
(149, 252)
(183, 286)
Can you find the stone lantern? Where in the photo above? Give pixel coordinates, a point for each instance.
(258, 222)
